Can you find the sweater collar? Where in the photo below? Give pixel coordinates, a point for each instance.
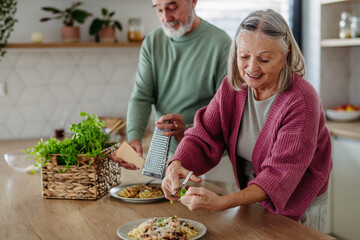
(196, 32)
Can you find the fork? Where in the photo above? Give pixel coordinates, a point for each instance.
(182, 185)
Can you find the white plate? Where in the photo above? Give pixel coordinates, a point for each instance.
(114, 192)
(123, 230)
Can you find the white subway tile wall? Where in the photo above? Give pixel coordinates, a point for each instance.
(43, 85)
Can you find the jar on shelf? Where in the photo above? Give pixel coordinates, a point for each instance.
(135, 30)
(355, 27)
(345, 25)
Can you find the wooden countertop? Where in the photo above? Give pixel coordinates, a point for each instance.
(344, 129)
(24, 214)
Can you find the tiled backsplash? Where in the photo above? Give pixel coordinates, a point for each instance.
(43, 85)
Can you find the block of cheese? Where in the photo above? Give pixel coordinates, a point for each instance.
(128, 154)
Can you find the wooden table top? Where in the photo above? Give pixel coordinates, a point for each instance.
(24, 214)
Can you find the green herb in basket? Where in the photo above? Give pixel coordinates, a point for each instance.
(86, 138)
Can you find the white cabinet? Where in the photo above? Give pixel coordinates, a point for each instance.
(345, 189)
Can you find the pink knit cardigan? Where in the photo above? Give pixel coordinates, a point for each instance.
(291, 158)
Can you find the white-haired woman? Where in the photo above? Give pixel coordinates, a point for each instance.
(270, 121)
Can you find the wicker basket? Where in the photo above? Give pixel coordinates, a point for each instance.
(81, 181)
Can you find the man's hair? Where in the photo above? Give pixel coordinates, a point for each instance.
(272, 24)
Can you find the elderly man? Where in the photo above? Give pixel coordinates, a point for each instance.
(181, 66)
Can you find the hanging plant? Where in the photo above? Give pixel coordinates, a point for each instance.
(7, 21)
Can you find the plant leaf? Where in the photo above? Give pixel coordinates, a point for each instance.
(95, 26)
(118, 25)
(51, 9)
(104, 12)
(80, 15)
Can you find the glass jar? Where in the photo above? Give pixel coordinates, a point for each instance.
(355, 27)
(345, 25)
(135, 30)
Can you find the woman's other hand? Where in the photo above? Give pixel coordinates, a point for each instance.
(199, 198)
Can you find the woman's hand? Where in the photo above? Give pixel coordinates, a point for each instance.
(199, 198)
(174, 172)
(174, 123)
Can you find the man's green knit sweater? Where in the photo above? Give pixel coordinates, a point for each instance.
(177, 75)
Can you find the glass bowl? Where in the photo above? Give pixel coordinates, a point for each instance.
(17, 160)
(340, 115)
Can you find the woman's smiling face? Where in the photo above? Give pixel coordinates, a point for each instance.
(260, 58)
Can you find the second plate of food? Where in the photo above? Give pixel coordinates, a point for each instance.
(138, 192)
(195, 228)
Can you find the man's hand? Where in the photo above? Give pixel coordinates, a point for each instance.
(173, 122)
(122, 163)
(135, 144)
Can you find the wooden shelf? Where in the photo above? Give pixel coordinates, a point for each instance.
(73, 45)
(323, 2)
(337, 42)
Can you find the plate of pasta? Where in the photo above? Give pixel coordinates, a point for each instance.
(162, 228)
(138, 193)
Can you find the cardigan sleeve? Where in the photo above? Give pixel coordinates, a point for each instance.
(203, 146)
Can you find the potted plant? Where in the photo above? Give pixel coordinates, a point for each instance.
(104, 28)
(78, 167)
(69, 32)
(7, 21)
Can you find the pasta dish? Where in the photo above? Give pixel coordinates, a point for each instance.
(141, 191)
(163, 228)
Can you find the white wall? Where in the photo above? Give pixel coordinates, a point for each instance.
(42, 84)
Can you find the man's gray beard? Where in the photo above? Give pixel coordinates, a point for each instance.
(174, 33)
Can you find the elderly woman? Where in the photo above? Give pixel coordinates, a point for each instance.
(271, 123)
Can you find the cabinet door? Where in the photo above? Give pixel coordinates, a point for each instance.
(345, 200)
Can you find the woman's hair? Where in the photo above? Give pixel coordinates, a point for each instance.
(272, 24)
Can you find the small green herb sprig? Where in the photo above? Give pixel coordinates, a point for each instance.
(86, 138)
(181, 193)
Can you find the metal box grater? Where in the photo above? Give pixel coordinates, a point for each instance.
(157, 155)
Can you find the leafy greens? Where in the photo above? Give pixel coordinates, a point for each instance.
(86, 138)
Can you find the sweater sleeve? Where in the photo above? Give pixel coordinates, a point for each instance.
(143, 96)
(203, 145)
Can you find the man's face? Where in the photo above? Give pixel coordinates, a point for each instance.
(176, 16)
